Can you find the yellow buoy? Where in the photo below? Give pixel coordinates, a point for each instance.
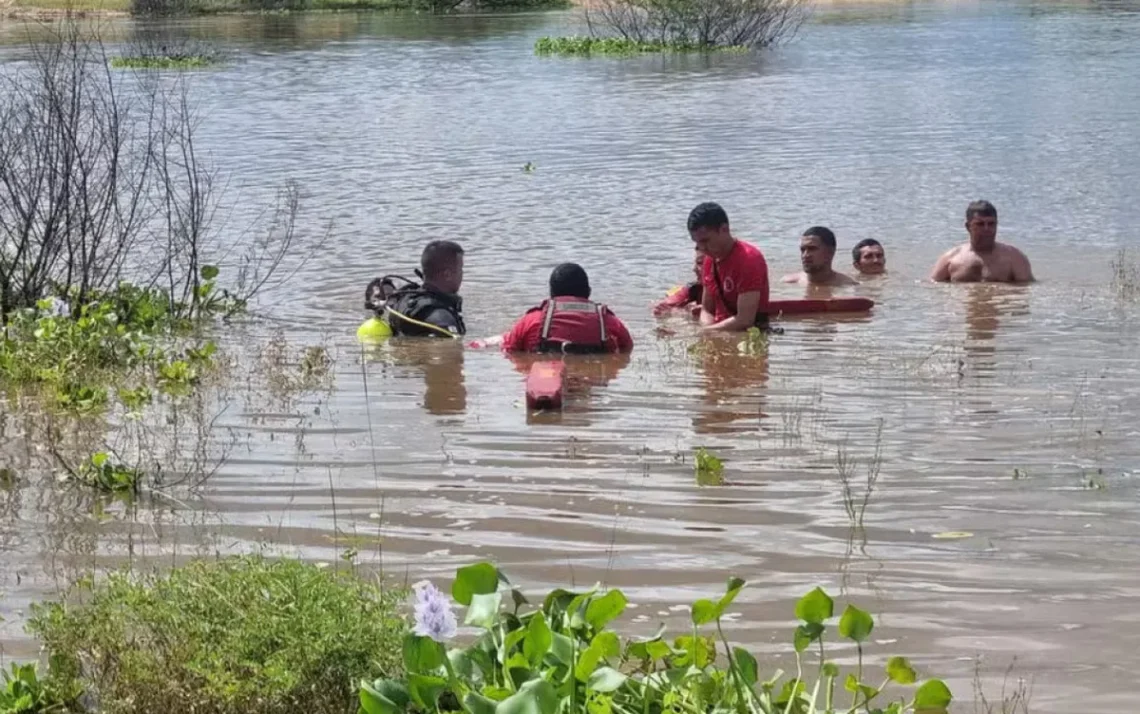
(373, 330)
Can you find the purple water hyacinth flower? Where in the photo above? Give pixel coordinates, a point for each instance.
(433, 614)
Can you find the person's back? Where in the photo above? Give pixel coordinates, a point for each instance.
(569, 321)
(433, 309)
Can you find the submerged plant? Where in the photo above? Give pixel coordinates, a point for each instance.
(562, 658)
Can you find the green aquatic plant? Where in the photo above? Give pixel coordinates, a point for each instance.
(618, 46)
(25, 693)
(708, 468)
(755, 342)
(101, 473)
(164, 62)
(563, 658)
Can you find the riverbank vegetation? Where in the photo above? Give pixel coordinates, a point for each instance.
(563, 656)
(110, 277)
(239, 635)
(628, 27)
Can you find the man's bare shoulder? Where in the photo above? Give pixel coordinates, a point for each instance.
(957, 250)
(1011, 251)
(841, 279)
(793, 278)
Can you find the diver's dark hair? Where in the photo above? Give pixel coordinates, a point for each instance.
(569, 280)
(438, 256)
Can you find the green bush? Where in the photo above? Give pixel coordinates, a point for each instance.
(235, 636)
(562, 658)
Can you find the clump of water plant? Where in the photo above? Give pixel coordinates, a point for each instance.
(23, 692)
(703, 23)
(563, 658)
(244, 635)
(618, 46)
(709, 469)
(175, 61)
(755, 342)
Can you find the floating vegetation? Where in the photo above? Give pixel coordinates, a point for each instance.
(164, 62)
(618, 46)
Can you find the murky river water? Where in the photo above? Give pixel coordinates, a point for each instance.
(1009, 414)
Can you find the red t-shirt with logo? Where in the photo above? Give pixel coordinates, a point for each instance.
(743, 270)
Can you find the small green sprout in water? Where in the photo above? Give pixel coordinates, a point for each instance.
(8, 480)
(528, 167)
(708, 468)
(618, 46)
(563, 656)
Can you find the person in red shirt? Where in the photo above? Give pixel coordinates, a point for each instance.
(568, 321)
(734, 277)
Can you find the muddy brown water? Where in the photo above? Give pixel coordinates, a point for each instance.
(1009, 414)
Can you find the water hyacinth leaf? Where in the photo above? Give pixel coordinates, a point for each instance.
(851, 684)
(815, 607)
(518, 598)
(462, 662)
(704, 612)
(209, 272)
(806, 634)
(830, 669)
(608, 642)
(900, 671)
(606, 679)
(478, 704)
(422, 654)
(658, 650)
(562, 648)
(746, 663)
(933, 695)
(383, 696)
(425, 689)
(538, 639)
(512, 639)
(484, 609)
(604, 609)
(735, 585)
(477, 579)
(534, 697)
(855, 624)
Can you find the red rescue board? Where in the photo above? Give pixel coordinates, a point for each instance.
(544, 385)
(807, 307)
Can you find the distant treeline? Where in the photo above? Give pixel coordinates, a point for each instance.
(198, 7)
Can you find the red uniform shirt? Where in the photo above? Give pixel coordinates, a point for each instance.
(578, 326)
(743, 270)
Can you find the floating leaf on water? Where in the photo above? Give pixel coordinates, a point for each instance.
(951, 535)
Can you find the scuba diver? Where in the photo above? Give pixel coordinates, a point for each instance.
(569, 322)
(433, 309)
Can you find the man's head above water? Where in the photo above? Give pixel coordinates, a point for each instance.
(442, 265)
(569, 280)
(708, 227)
(817, 249)
(981, 224)
(868, 257)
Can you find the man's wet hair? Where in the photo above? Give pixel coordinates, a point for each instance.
(857, 251)
(824, 234)
(569, 280)
(980, 208)
(707, 215)
(439, 256)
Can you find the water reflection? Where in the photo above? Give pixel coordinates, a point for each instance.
(439, 362)
(734, 387)
(584, 376)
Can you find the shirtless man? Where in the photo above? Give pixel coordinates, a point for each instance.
(817, 250)
(982, 259)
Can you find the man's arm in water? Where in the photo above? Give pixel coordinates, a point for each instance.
(941, 272)
(747, 306)
(1022, 271)
(708, 306)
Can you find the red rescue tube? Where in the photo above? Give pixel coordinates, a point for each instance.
(807, 307)
(544, 385)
